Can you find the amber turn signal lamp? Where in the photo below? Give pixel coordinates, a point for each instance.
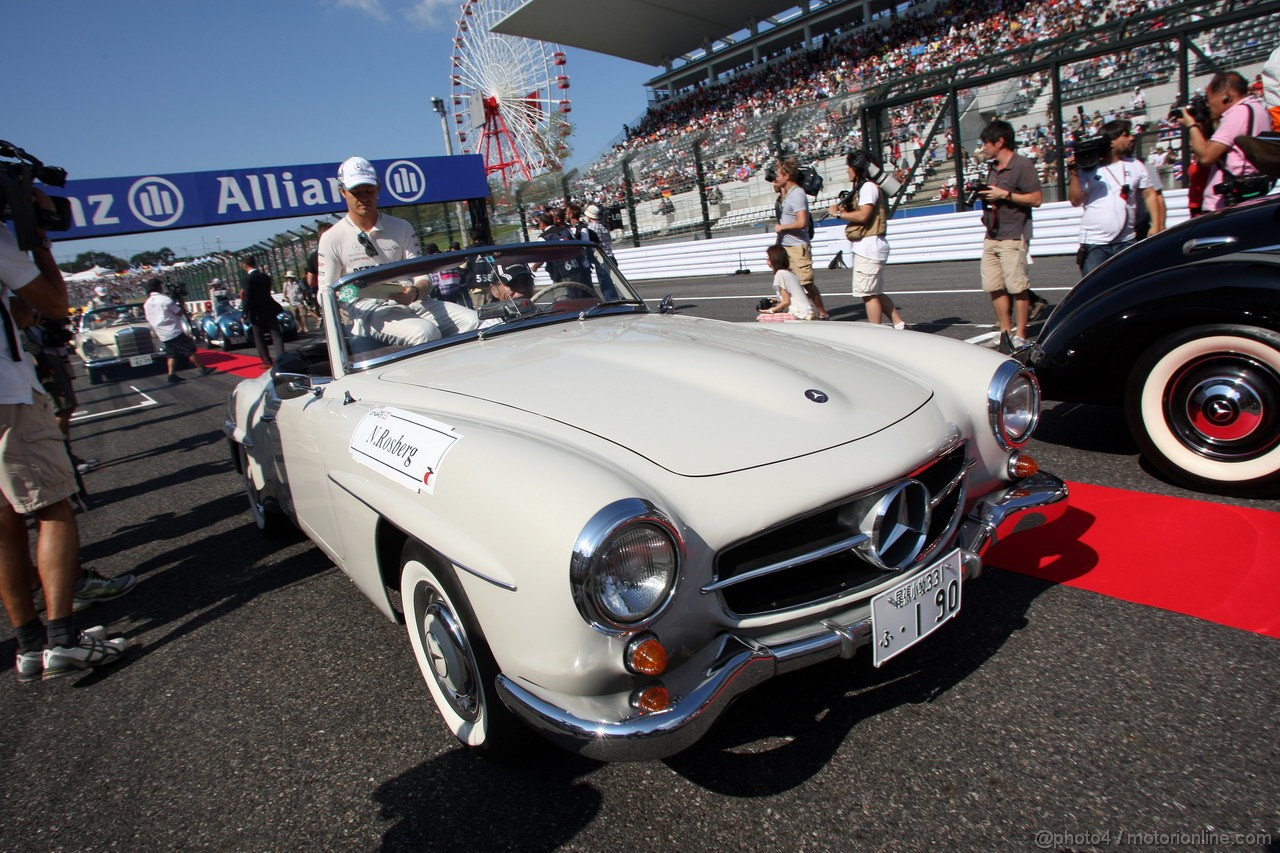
(1022, 465)
(651, 699)
(646, 656)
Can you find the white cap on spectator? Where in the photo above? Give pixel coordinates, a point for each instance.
(592, 212)
(357, 172)
(101, 290)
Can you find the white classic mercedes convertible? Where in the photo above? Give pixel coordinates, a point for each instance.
(604, 523)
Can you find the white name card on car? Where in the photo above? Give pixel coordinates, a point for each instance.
(403, 447)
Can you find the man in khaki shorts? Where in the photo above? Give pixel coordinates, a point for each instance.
(1013, 190)
(37, 480)
(793, 229)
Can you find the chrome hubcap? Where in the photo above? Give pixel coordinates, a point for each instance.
(445, 645)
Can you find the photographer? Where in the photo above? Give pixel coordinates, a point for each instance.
(1106, 183)
(1011, 192)
(867, 214)
(37, 479)
(793, 228)
(1232, 178)
(165, 316)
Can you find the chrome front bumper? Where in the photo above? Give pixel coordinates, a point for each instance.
(731, 665)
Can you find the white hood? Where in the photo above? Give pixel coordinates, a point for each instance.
(696, 397)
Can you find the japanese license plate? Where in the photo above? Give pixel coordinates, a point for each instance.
(139, 360)
(908, 612)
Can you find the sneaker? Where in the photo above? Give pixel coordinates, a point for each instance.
(93, 588)
(94, 649)
(900, 326)
(84, 466)
(30, 666)
(173, 377)
(1020, 342)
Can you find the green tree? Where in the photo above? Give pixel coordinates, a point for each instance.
(88, 260)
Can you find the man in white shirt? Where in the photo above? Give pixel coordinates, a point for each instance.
(1109, 194)
(37, 480)
(867, 216)
(165, 317)
(366, 238)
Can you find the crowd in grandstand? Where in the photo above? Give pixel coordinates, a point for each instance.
(822, 78)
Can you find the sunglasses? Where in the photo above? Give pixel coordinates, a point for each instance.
(369, 249)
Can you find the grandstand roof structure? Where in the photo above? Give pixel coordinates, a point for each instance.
(647, 31)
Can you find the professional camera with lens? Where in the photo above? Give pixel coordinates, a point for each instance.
(846, 201)
(1197, 106)
(808, 179)
(17, 195)
(971, 189)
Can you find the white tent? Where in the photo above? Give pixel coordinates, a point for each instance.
(93, 274)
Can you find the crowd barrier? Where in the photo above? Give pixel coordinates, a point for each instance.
(921, 239)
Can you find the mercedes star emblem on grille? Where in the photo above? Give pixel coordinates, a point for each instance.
(898, 525)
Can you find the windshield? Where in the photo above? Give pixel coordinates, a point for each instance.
(116, 315)
(445, 299)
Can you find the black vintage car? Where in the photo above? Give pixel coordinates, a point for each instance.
(1183, 331)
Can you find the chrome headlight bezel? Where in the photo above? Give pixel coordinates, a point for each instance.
(1013, 405)
(588, 575)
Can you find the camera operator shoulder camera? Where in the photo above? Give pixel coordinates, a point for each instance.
(19, 197)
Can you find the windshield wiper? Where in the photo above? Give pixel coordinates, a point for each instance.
(610, 304)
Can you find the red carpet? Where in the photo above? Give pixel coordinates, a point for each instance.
(246, 366)
(1214, 562)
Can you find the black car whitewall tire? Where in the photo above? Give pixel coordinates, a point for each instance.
(1204, 406)
(453, 656)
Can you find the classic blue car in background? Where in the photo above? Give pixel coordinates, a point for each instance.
(226, 326)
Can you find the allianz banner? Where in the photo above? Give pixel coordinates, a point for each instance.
(104, 207)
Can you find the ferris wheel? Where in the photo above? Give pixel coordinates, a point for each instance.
(510, 95)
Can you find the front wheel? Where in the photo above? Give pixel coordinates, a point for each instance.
(453, 656)
(1203, 405)
(266, 517)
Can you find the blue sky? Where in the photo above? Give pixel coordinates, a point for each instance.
(133, 87)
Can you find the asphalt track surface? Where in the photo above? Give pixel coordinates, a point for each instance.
(267, 706)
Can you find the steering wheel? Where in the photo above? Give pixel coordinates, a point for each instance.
(571, 290)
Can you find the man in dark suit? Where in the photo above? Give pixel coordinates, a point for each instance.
(260, 308)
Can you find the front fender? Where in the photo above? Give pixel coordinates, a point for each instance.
(1089, 346)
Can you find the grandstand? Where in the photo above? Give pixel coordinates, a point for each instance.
(913, 82)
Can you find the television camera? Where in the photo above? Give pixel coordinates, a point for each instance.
(18, 172)
(1090, 150)
(808, 179)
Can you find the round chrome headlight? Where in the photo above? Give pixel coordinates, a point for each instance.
(1013, 405)
(625, 565)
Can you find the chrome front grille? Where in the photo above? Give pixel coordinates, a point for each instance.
(134, 341)
(847, 546)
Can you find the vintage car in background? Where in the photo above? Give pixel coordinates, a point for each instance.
(1183, 331)
(117, 340)
(604, 523)
(224, 325)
